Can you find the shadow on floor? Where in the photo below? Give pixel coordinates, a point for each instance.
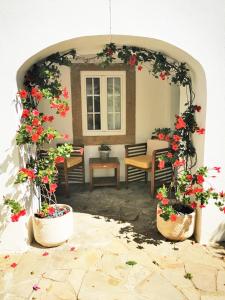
(133, 205)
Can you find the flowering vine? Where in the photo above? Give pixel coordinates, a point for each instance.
(42, 84)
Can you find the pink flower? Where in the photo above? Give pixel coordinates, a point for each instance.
(217, 169)
(35, 113)
(53, 187)
(176, 138)
(29, 128)
(45, 253)
(140, 68)
(165, 201)
(50, 136)
(193, 205)
(159, 196)
(161, 136)
(65, 93)
(51, 210)
(161, 164)
(36, 287)
(45, 179)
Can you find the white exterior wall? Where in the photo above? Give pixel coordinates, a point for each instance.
(197, 27)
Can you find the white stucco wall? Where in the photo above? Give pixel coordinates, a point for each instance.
(197, 27)
(157, 102)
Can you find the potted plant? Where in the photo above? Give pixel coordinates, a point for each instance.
(52, 222)
(176, 217)
(104, 151)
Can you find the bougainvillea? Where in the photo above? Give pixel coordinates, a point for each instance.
(42, 84)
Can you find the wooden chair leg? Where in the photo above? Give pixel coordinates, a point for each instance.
(126, 176)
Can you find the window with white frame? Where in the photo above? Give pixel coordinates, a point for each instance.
(103, 96)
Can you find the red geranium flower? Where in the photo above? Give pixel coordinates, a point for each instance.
(29, 128)
(197, 108)
(167, 138)
(25, 113)
(132, 60)
(65, 93)
(161, 164)
(165, 201)
(200, 130)
(180, 123)
(50, 136)
(45, 179)
(53, 187)
(35, 122)
(140, 68)
(13, 265)
(162, 75)
(40, 129)
(173, 217)
(23, 94)
(179, 163)
(161, 136)
(193, 205)
(22, 212)
(45, 253)
(176, 138)
(65, 136)
(202, 206)
(169, 155)
(159, 196)
(200, 179)
(6, 256)
(175, 147)
(15, 217)
(35, 137)
(35, 112)
(59, 159)
(34, 92)
(51, 210)
(63, 113)
(189, 177)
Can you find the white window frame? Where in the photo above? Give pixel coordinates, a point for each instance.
(103, 75)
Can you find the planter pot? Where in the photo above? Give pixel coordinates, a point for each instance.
(179, 230)
(50, 232)
(104, 154)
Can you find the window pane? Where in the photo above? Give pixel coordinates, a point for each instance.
(117, 121)
(90, 122)
(89, 86)
(117, 88)
(96, 82)
(109, 86)
(110, 122)
(110, 103)
(89, 104)
(97, 103)
(97, 122)
(117, 104)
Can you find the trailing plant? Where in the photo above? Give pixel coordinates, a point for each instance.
(191, 190)
(16, 209)
(42, 81)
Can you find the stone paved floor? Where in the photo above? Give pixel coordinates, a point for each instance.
(106, 259)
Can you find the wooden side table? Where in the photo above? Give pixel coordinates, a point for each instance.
(98, 163)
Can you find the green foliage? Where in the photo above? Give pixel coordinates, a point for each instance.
(14, 205)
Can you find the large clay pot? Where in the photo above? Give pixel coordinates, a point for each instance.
(178, 230)
(53, 231)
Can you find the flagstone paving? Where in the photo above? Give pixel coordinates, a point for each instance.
(103, 262)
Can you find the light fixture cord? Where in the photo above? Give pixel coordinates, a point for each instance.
(110, 22)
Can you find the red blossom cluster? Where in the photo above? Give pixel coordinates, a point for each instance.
(15, 217)
(28, 173)
(163, 75)
(35, 93)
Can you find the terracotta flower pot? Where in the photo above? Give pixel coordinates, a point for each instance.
(50, 232)
(178, 230)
